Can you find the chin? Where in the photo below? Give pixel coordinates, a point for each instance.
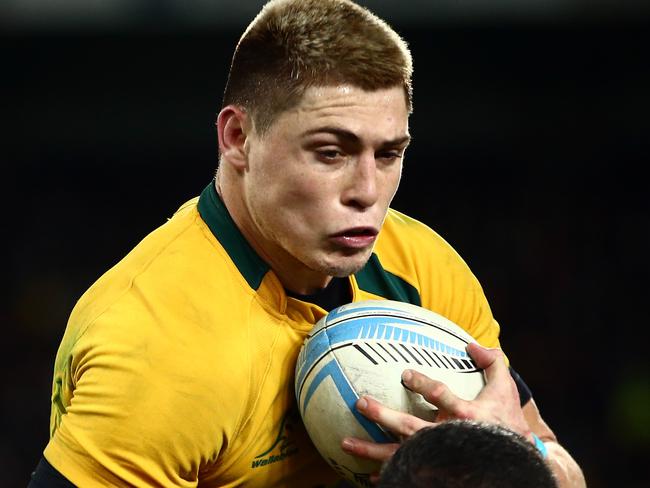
(344, 267)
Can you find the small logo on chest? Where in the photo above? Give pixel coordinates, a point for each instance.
(283, 445)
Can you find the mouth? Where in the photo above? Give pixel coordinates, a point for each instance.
(357, 231)
(355, 237)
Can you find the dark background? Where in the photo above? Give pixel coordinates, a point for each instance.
(530, 135)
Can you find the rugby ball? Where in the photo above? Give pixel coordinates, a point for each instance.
(362, 348)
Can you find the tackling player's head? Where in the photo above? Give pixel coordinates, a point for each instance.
(295, 44)
(466, 454)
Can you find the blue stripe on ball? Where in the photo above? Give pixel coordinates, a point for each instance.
(333, 370)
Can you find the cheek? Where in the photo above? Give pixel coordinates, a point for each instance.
(396, 181)
(305, 192)
(390, 183)
(305, 211)
(291, 204)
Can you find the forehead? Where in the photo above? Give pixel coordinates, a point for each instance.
(376, 114)
(318, 97)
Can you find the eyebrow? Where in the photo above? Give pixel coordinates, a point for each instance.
(352, 137)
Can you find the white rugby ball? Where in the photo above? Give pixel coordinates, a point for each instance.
(362, 349)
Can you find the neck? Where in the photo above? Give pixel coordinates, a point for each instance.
(302, 285)
(293, 275)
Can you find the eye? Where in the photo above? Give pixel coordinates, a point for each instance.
(389, 156)
(329, 155)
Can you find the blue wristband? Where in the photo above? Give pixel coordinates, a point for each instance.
(541, 447)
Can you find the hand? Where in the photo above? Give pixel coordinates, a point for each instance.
(498, 402)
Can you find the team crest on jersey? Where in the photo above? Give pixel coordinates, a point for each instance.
(283, 445)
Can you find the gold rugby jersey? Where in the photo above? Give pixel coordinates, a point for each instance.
(176, 367)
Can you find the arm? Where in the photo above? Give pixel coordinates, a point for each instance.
(565, 468)
(497, 403)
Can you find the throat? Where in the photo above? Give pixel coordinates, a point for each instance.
(336, 293)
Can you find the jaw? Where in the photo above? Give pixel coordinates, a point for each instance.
(345, 262)
(308, 274)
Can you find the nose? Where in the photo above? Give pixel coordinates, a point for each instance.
(361, 186)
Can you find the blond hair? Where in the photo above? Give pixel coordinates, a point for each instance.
(292, 45)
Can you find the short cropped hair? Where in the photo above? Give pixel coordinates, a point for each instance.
(466, 454)
(292, 45)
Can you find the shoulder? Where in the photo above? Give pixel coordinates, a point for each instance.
(408, 242)
(175, 300)
(177, 270)
(420, 256)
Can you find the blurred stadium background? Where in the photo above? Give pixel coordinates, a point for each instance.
(531, 129)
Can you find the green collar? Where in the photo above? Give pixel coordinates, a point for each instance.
(215, 214)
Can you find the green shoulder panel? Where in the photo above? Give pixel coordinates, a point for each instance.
(375, 279)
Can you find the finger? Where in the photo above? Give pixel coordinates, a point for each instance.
(500, 387)
(492, 361)
(399, 423)
(368, 450)
(433, 391)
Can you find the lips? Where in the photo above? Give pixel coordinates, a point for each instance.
(357, 231)
(355, 237)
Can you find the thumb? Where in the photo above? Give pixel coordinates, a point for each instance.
(490, 360)
(483, 356)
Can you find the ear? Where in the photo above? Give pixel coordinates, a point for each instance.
(233, 127)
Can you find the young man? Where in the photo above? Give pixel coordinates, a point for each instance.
(176, 367)
(466, 454)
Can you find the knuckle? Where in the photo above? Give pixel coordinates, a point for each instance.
(465, 413)
(436, 390)
(410, 426)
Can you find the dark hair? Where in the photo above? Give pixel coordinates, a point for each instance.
(466, 454)
(294, 44)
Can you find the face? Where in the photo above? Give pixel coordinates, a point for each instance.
(318, 183)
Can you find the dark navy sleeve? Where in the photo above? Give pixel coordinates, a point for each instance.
(524, 392)
(45, 476)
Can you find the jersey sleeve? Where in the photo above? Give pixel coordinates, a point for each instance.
(525, 394)
(137, 405)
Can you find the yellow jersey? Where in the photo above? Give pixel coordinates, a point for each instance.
(176, 368)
